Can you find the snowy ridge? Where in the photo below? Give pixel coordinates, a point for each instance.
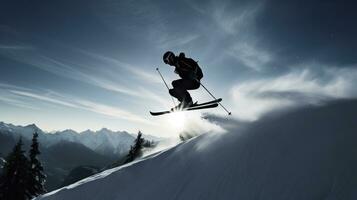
(103, 141)
(24, 131)
(306, 154)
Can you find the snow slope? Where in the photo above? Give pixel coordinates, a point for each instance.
(310, 153)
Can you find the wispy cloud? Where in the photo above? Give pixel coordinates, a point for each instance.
(18, 103)
(15, 47)
(250, 55)
(257, 97)
(139, 91)
(114, 63)
(244, 47)
(44, 98)
(68, 71)
(111, 111)
(172, 41)
(72, 102)
(9, 86)
(234, 26)
(9, 98)
(62, 69)
(234, 19)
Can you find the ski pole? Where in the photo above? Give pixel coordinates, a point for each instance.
(229, 113)
(166, 85)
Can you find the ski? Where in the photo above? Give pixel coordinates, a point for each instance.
(206, 103)
(196, 107)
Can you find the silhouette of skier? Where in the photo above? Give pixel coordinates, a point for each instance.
(190, 74)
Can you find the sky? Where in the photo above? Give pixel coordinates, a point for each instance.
(89, 64)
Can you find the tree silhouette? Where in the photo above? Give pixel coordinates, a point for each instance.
(16, 172)
(22, 178)
(135, 150)
(37, 177)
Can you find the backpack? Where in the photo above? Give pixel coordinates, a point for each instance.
(197, 74)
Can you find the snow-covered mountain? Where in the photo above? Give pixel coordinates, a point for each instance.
(309, 153)
(24, 131)
(103, 141)
(106, 140)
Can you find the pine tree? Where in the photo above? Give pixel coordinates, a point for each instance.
(16, 171)
(135, 151)
(37, 177)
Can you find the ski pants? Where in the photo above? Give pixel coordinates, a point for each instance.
(180, 88)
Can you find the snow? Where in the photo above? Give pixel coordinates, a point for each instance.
(306, 154)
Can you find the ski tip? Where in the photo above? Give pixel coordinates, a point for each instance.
(159, 113)
(152, 113)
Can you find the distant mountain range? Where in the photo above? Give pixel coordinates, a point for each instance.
(103, 141)
(64, 151)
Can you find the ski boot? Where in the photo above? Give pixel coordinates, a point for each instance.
(182, 105)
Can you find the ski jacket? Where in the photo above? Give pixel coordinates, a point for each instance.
(187, 68)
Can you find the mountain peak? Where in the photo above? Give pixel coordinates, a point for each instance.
(88, 131)
(70, 131)
(33, 126)
(105, 130)
(2, 124)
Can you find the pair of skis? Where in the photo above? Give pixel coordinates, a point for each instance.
(197, 106)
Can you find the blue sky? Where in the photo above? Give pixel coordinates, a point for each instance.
(91, 64)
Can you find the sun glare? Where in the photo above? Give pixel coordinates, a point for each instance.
(177, 120)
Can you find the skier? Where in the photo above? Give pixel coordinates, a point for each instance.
(190, 74)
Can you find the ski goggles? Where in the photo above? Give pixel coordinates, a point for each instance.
(168, 59)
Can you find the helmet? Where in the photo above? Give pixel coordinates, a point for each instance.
(168, 58)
